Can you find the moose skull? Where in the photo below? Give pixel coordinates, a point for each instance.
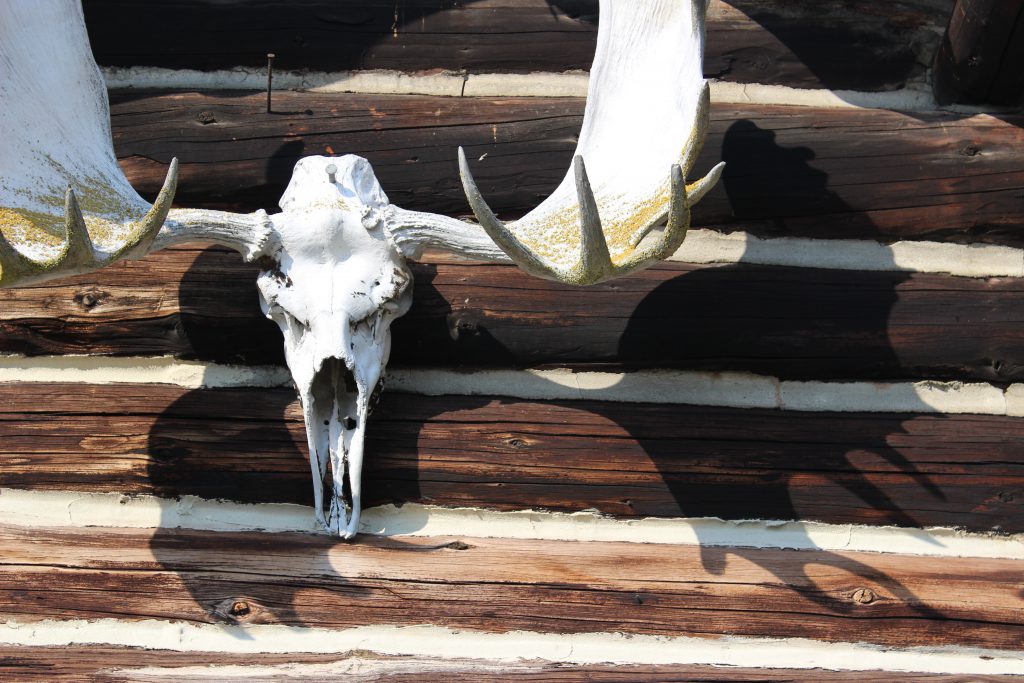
(333, 272)
(334, 283)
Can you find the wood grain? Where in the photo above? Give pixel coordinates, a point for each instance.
(791, 171)
(788, 322)
(627, 460)
(109, 664)
(869, 45)
(979, 58)
(502, 585)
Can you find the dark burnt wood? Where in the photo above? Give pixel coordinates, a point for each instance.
(118, 664)
(502, 585)
(787, 322)
(873, 45)
(791, 171)
(980, 58)
(628, 460)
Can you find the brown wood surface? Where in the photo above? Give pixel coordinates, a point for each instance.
(503, 585)
(787, 322)
(864, 45)
(627, 460)
(104, 663)
(979, 59)
(846, 173)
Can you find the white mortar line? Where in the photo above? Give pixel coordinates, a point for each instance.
(48, 509)
(374, 82)
(138, 370)
(516, 646)
(678, 387)
(721, 389)
(362, 667)
(971, 260)
(915, 97)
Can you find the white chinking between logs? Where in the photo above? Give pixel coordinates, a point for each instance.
(333, 262)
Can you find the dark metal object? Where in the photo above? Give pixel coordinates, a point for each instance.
(270, 77)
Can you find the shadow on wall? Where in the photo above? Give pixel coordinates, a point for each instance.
(702, 462)
(320, 35)
(741, 464)
(836, 46)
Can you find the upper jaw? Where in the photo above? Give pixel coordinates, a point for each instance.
(336, 406)
(337, 354)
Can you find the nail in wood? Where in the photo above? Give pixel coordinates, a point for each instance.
(270, 77)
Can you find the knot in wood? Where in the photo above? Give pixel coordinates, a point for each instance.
(89, 299)
(240, 608)
(864, 596)
(459, 326)
(206, 118)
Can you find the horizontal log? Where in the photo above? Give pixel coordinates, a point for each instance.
(627, 460)
(794, 323)
(100, 663)
(796, 171)
(504, 585)
(871, 45)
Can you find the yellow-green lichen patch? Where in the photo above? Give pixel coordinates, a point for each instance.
(556, 236)
(36, 227)
(21, 226)
(625, 226)
(96, 194)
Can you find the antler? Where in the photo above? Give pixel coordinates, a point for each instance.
(646, 118)
(65, 205)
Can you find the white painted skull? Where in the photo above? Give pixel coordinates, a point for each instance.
(334, 283)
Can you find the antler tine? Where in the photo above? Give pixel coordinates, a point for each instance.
(595, 261)
(496, 230)
(699, 132)
(675, 231)
(142, 241)
(678, 214)
(696, 190)
(78, 249)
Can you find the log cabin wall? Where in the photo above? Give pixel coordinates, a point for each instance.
(795, 449)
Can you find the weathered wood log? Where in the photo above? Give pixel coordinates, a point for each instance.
(105, 663)
(794, 323)
(848, 173)
(501, 585)
(867, 46)
(979, 60)
(628, 460)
